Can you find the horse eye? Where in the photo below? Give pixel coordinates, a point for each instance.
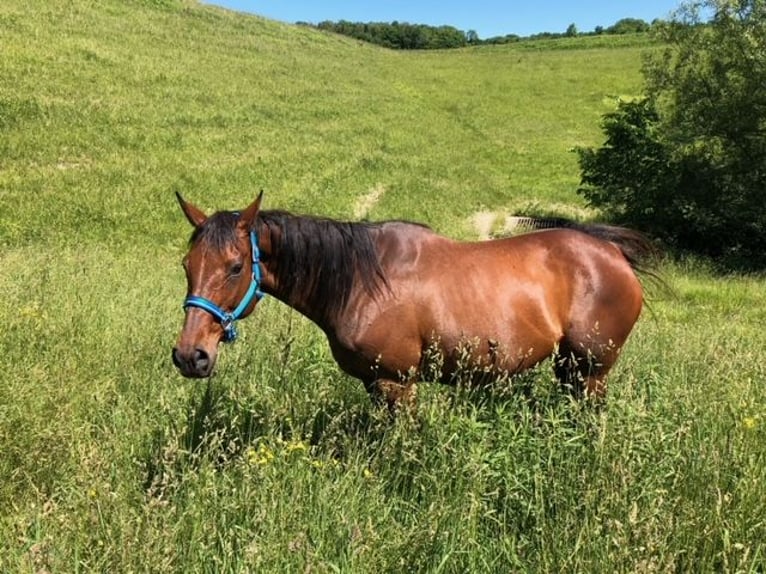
(236, 269)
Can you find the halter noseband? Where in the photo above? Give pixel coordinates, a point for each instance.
(226, 319)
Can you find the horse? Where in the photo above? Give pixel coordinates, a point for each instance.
(390, 294)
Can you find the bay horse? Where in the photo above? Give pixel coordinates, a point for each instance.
(385, 293)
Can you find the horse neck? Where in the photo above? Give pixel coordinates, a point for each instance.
(312, 271)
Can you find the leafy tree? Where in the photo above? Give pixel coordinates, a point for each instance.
(628, 26)
(689, 163)
(629, 175)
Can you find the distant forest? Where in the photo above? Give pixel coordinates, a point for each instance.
(404, 36)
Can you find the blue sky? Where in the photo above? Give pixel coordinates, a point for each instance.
(487, 17)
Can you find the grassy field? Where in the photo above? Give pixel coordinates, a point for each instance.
(111, 462)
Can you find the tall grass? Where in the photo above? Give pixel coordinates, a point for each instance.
(112, 462)
(279, 462)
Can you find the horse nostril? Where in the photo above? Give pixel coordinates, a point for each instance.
(201, 360)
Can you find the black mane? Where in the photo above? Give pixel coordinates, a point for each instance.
(318, 259)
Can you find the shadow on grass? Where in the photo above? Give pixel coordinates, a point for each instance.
(218, 428)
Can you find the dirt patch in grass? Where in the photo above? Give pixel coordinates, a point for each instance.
(483, 221)
(367, 202)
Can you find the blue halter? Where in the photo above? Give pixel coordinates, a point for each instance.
(225, 318)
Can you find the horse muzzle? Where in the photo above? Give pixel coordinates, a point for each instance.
(193, 362)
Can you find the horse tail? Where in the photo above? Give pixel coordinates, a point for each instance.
(638, 250)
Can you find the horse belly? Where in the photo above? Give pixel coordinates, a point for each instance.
(505, 330)
(485, 321)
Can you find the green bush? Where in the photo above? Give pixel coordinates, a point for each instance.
(629, 175)
(687, 164)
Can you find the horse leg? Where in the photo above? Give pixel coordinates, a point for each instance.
(395, 395)
(582, 371)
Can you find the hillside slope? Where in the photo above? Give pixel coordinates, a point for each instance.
(107, 107)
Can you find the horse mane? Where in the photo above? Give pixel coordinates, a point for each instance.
(319, 259)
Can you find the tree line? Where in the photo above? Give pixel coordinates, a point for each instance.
(405, 36)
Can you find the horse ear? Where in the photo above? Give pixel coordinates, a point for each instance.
(247, 219)
(193, 213)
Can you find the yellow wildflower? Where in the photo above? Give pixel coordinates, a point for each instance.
(262, 455)
(32, 310)
(294, 445)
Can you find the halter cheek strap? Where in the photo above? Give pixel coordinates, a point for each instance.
(226, 318)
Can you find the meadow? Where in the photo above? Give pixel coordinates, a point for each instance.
(112, 462)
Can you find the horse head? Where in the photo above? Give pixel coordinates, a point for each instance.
(223, 278)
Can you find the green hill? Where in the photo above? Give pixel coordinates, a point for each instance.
(111, 107)
(110, 462)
